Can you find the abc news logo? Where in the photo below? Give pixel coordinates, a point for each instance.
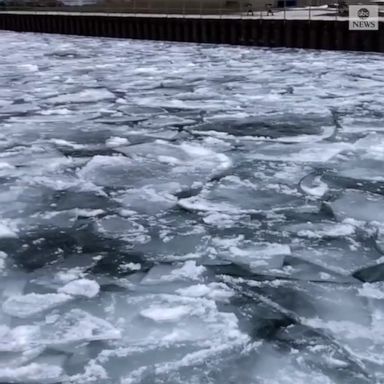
(363, 13)
(363, 18)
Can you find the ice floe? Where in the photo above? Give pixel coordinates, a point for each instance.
(213, 215)
(33, 303)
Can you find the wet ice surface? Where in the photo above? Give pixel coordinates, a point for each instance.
(189, 214)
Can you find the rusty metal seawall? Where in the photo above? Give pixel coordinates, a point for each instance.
(310, 34)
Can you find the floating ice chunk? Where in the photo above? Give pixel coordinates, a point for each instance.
(32, 373)
(5, 103)
(371, 146)
(33, 303)
(168, 160)
(65, 143)
(6, 231)
(18, 109)
(89, 212)
(125, 228)
(359, 205)
(221, 220)
(56, 111)
(19, 338)
(214, 291)
(167, 121)
(142, 167)
(233, 195)
(320, 230)
(130, 266)
(81, 287)
(344, 329)
(119, 171)
(77, 326)
(333, 258)
(85, 96)
(5, 166)
(192, 155)
(3, 257)
(93, 373)
(260, 255)
(187, 271)
(116, 142)
(164, 314)
(380, 239)
(314, 186)
(275, 368)
(372, 291)
(69, 275)
(197, 203)
(147, 200)
(162, 102)
(362, 169)
(36, 159)
(29, 67)
(315, 153)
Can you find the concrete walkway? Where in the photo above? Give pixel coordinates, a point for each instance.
(290, 13)
(308, 13)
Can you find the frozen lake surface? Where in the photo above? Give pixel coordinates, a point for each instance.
(185, 214)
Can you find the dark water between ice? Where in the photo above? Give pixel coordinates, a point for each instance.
(189, 214)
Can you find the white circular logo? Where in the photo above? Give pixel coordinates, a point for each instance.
(363, 13)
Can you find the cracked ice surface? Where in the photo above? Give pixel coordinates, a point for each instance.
(176, 213)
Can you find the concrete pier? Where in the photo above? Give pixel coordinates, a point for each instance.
(328, 33)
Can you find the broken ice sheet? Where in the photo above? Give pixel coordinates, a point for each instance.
(233, 195)
(33, 303)
(214, 215)
(359, 205)
(74, 327)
